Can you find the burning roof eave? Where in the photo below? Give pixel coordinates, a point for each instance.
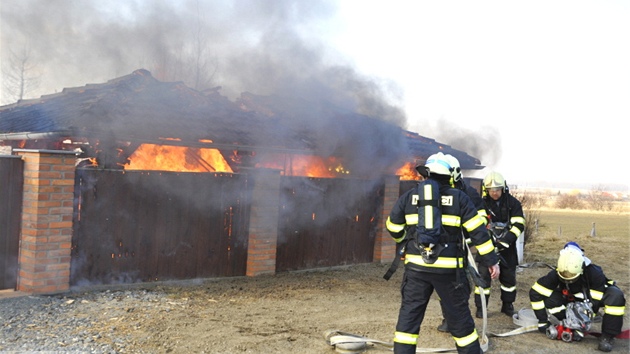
(112, 113)
(34, 135)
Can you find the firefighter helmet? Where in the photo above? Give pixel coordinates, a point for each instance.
(570, 264)
(438, 164)
(456, 170)
(494, 180)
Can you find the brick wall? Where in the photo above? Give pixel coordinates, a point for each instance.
(384, 245)
(263, 223)
(46, 235)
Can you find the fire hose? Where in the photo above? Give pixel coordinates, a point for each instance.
(524, 319)
(347, 343)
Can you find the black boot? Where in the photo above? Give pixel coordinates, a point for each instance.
(443, 327)
(605, 342)
(507, 308)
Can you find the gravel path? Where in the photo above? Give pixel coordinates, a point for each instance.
(66, 323)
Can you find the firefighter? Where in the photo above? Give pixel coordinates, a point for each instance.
(576, 278)
(506, 223)
(460, 183)
(442, 268)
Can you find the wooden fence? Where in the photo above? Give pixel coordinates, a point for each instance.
(11, 187)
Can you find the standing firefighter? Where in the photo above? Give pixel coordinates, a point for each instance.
(506, 224)
(435, 260)
(460, 183)
(573, 293)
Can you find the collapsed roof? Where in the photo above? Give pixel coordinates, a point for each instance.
(125, 112)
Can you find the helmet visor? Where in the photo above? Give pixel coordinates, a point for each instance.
(567, 276)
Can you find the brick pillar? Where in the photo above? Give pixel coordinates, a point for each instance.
(46, 234)
(384, 245)
(263, 222)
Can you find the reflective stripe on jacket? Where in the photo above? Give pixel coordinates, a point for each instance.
(458, 213)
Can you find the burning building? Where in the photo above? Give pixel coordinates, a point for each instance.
(137, 122)
(176, 183)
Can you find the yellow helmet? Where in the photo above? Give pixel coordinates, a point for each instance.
(494, 180)
(570, 264)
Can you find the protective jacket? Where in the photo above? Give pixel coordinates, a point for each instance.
(474, 196)
(508, 210)
(458, 212)
(476, 199)
(551, 294)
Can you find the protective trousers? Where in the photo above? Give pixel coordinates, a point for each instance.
(613, 303)
(507, 278)
(454, 292)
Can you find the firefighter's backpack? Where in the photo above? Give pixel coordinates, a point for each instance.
(429, 226)
(428, 230)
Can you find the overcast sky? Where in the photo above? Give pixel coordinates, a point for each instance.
(538, 90)
(548, 80)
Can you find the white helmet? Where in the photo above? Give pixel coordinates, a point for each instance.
(494, 180)
(456, 171)
(438, 164)
(570, 264)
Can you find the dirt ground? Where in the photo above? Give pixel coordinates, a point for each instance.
(287, 313)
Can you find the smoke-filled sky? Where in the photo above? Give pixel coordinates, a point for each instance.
(536, 89)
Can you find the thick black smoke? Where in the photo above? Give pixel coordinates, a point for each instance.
(264, 47)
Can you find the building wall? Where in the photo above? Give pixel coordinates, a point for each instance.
(47, 227)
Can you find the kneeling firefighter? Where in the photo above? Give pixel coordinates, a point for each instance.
(434, 255)
(573, 293)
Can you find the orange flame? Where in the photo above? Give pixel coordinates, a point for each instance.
(177, 158)
(303, 165)
(408, 172)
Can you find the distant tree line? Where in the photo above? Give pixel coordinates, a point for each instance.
(595, 199)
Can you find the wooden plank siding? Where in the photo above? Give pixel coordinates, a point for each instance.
(11, 189)
(149, 226)
(327, 222)
(143, 226)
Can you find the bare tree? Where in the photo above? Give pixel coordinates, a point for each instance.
(191, 63)
(19, 75)
(598, 200)
(569, 201)
(203, 67)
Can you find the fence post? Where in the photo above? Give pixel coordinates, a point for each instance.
(263, 223)
(46, 230)
(384, 245)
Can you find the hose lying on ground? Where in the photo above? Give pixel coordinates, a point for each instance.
(347, 343)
